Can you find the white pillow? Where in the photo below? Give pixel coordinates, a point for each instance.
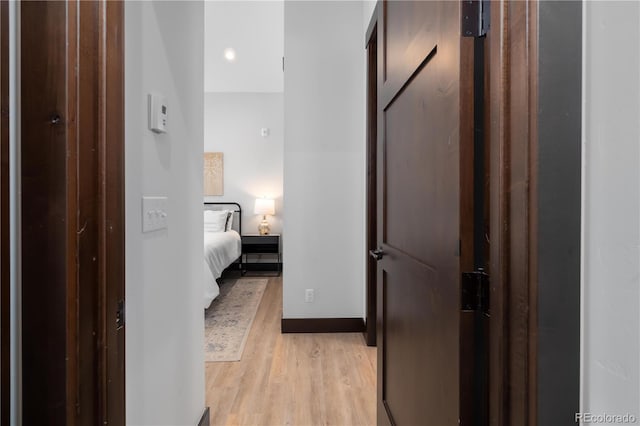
(215, 220)
(229, 221)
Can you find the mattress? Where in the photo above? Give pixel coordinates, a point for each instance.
(221, 249)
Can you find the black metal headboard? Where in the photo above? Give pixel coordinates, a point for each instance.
(238, 210)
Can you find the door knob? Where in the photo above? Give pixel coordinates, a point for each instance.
(377, 254)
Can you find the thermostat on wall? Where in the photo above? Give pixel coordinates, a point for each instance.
(157, 113)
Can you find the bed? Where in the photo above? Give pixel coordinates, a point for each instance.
(222, 244)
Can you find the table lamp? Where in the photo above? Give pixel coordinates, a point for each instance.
(264, 206)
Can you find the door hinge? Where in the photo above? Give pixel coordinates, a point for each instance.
(120, 315)
(283, 64)
(475, 291)
(475, 18)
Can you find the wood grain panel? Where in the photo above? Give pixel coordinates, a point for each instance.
(411, 32)
(519, 210)
(85, 136)
(499, 374)
(416, 332)
(531, 112)
(44, 210)
(74, 235)
(467, 207)
(112, 221)
(5, 258)
(73, 211)
(512, 134)
(412, 198)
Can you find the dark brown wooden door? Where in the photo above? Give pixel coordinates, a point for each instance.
(419, 213)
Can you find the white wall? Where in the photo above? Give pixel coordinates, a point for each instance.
(252, 163)
(164, 357)
(611, 208)
(368, 6)
(255, 30)
(324, 148)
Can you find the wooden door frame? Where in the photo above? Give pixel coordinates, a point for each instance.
(78, 111)
(473, 211)
(5, 240)
(371, 40)
(112, 217)
(511, 126)
(532, 86)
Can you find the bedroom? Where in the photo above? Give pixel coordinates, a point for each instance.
(245, 149)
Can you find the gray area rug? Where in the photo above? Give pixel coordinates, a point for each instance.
(228, 320)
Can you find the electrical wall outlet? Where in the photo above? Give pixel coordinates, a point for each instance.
(308, 295)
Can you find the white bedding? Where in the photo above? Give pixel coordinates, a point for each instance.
(221, 249)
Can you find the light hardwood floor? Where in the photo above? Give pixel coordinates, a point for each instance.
(293, 379)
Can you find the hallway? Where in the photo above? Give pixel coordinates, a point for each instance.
(294, 379)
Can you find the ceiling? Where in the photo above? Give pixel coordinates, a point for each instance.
(255, 30)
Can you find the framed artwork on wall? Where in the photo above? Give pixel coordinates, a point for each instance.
(213, 173)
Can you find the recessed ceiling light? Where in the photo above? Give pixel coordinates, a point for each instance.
(230, 54)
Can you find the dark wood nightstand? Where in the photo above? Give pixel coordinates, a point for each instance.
(254, 244)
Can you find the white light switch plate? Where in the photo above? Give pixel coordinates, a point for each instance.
(155, 213)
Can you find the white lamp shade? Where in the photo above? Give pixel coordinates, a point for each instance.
(265, 206)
